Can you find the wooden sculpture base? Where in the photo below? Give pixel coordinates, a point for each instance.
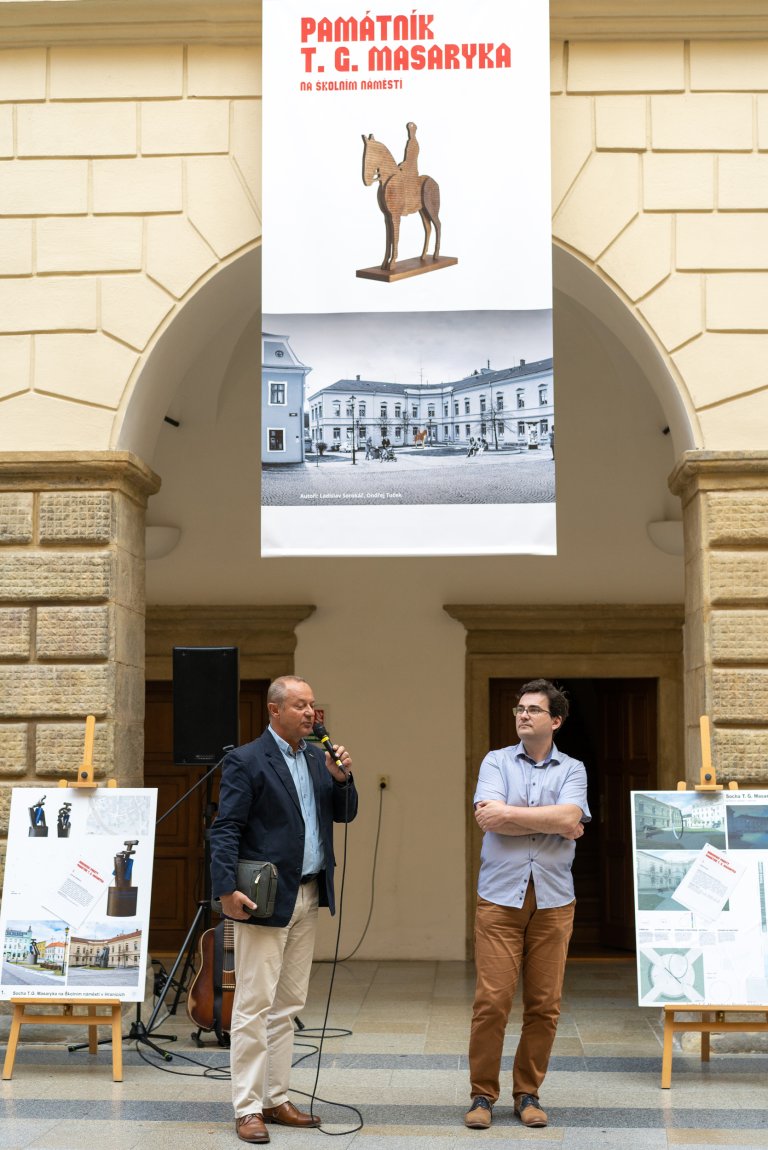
(404, 269)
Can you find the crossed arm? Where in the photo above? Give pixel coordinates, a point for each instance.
(562, 819)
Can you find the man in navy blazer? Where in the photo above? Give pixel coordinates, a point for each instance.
(279, 799)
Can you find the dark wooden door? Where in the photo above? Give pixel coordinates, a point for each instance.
(178, 881)
(611, 728)
(626, 761)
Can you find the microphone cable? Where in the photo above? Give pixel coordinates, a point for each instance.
(334, 962)
(323, 1032)
(221, 1072)
(353, 952)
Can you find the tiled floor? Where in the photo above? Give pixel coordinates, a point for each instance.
(402, 1064)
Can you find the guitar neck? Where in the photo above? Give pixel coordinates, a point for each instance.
(228, 964)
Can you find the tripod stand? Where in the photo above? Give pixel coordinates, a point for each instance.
(202, 920)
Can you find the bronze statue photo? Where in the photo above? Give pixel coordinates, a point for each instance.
(402, 191)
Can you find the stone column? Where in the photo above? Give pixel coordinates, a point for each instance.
(725, 509)
(71, 615)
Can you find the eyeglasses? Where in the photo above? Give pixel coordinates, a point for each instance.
(532, 711)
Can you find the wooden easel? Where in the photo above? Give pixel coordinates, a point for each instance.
(85, 770)
(92, 1019)
(712, 1021)
(707, 777)
(713, 1018)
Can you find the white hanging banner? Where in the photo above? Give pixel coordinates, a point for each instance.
(407, 377)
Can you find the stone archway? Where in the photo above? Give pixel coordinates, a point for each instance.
(225, 305)
(581, 285)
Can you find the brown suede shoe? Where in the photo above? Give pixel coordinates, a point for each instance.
(529, 1111)
(251, 1128)
(286, 1114)
(480, 1113)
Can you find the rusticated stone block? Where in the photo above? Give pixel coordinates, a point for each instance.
(14, 632)
(59, 749)
(64, 575)
(73, 633)
(738, 578)
(739, 754)
(740, 696)
(736, 518)
(76, 516)
(15, 517)
(739, 637)
(5, 807)
(13, 750)
(32, 690)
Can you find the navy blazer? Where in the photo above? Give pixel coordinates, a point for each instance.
(260, 818)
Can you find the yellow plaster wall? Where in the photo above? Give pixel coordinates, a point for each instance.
(129, 173)
(660, 182)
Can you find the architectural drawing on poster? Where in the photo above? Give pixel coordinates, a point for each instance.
(701, 904)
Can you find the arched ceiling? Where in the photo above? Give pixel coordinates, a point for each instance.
(229, 303)
(221, 310)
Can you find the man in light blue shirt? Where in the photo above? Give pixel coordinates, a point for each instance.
(531, 804)
(295, 761)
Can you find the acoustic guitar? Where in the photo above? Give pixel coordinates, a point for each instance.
(209, 1001)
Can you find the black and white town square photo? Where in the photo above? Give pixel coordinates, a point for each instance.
(408, 408)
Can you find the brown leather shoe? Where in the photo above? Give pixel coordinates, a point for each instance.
(251, 1128)
(480, 1114)
(286, 1114)
(529, 1111)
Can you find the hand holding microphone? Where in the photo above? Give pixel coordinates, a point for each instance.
(338, 761)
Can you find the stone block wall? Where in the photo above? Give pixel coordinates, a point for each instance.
(725, 505)
(71, 616)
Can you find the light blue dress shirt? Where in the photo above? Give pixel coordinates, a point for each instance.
(314, 855)
(507, 862)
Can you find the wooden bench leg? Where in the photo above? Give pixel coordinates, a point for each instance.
(13, 1042)
(117, 1044)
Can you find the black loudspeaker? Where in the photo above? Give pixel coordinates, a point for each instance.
(205, 703)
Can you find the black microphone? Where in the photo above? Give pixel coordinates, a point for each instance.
(321, 734)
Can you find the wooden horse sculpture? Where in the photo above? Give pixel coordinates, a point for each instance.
(402, 191)
(420, 437)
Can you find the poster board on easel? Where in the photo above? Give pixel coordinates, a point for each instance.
(701, 893)
(74, 919)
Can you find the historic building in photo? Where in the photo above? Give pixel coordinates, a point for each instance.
(282, 400)
(20, 946)
(507, 408)
(118, 952)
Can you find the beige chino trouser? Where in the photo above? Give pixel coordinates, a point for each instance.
(272, 969)
(511, 941)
